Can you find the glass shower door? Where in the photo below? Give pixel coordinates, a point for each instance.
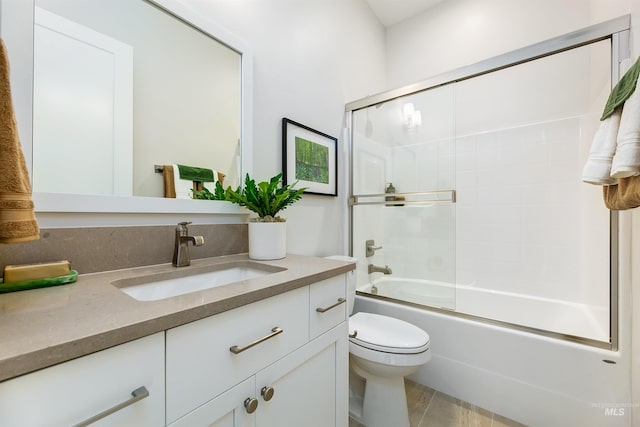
(403, 210)
(470, 197)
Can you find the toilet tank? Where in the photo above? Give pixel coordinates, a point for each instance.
(352, 280)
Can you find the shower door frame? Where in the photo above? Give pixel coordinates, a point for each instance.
(617, 31)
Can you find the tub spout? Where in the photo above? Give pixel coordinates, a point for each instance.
(376, 269)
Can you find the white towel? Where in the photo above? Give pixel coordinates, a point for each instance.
(184, 186)
(626, 161)
(597, 170)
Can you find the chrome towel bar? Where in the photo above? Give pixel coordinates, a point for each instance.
(401, 199)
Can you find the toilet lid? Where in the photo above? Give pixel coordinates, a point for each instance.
(387, 334)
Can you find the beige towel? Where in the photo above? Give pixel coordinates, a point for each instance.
(624, 195)
(169, 185)
(17, 219)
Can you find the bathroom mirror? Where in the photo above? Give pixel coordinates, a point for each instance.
(121, 86)
(181, 95)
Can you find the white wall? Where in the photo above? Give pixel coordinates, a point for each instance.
(456, 33)
(310, 59)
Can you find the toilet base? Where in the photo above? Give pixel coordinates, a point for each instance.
(384, 402)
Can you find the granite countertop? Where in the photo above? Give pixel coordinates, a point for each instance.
(44, 327)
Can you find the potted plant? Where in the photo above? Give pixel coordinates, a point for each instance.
(267, 232)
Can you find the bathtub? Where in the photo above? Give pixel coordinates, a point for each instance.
(545, 314)
(532, 378)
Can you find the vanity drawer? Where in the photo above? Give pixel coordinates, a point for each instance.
(200, 363)
(327, 305)
(100, 383)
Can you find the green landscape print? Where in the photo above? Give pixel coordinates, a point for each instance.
(312, 161)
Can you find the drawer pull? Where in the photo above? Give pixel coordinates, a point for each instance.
(251, 404)
(322, 310)
(354, 334)
(275, 331)
(138, 394)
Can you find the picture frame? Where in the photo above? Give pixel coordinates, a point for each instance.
(309, 157)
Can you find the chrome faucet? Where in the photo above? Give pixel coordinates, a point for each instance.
(376, 269)
(181, 256)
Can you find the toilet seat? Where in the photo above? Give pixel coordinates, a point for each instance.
(387, 334)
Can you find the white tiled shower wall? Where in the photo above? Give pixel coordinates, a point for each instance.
(520, 214)
(512, 144)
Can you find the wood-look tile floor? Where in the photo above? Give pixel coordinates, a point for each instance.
(430, 408)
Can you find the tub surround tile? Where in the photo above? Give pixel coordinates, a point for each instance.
(43, 327)
(97, 249)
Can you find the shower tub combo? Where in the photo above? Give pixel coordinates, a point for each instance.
(521, 283)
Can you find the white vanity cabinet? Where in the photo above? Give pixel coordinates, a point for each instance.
(78, 390)
(281, 361)
(288, 367)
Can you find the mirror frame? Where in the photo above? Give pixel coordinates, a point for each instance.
(56, 209)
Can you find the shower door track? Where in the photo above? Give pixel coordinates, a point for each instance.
(594, 33)
(617, 31)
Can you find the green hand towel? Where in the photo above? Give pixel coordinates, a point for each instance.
(192, 173)
(622, 91)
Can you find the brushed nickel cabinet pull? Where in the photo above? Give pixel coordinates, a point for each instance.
(137, 394)
(275, 331)
(322, 310)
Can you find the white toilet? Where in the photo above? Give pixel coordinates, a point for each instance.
(382, 351)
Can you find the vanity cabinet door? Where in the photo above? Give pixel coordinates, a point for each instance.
(226, 410)
(76, 391)
(200, 363)
(307, 387)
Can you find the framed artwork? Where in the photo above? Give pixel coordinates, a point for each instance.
(309, 157)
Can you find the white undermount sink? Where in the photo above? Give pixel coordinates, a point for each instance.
(184, 280)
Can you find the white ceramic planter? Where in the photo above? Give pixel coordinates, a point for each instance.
(267, 240)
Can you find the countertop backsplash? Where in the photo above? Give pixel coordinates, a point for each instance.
(93, 250)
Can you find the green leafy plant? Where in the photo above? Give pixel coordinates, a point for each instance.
(205, 194)
(265, 198)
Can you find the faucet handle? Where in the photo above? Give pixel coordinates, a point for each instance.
(371, 248)
(181, 228)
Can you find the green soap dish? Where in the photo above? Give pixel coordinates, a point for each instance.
(38, 283)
